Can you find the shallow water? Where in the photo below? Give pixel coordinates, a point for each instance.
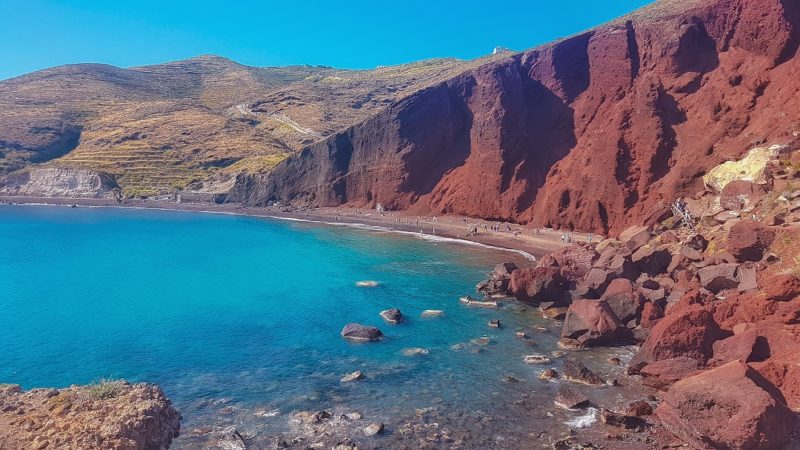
(238, 320)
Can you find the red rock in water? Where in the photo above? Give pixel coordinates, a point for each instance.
(748, 240)
(542, 284)
(730, 407)
(592, 322)
(641, 108)
(687, 332)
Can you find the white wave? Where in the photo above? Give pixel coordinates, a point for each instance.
(583, 421)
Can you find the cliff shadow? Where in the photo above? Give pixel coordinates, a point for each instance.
(549, 137)
(436, 130)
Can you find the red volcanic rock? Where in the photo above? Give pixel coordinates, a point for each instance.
(688, 331)
(739, 194)
(651, 314)
(781, 287)
(576, 257)
(661, 374)
(542, 284)
(730, 407)
(635, 237)
(651, 260)
(624, 299)
(747, 240)
(641, 108)
(590, 323)
(747, 347)
(719, 277)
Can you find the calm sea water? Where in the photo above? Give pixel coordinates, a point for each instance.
(236, 316)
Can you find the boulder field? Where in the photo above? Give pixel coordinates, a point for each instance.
(595, 132)
(711, 297)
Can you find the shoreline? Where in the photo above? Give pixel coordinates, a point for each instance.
(521, 240)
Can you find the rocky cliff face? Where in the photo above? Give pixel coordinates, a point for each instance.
(59, 182)
(594, 132)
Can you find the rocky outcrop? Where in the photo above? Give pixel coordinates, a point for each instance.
(713, 299)
(59, 182)
(361, 333)
(641, 108)
(729, 407)
(113, 414)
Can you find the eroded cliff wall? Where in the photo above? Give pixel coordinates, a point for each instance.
(594, 132)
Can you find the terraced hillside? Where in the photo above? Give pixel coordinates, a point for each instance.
(161, 128)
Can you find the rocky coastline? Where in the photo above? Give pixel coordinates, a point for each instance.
(711, 297)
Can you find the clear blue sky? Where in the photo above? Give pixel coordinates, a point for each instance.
(35, 34)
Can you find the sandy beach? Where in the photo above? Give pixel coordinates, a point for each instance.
(521, 238)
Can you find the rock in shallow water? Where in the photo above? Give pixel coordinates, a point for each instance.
(355, 376)
(361, 333)
(571, 398)
(393, 315)
(415, 351)
(373, 429)
(433, 313)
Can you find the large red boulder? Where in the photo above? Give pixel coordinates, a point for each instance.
(740, 194)
(651, 314)
(577, 258)
(661, 374)
(748, 239)
(635, 237)
(624, 299)
(652, 260)
(730, 407)
(591, 323)
(746, 346)
(542, 284)
(719, 277)
(688, 331)
(781, 287)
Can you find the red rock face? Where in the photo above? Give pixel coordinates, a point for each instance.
(740, 410)
(594, 132)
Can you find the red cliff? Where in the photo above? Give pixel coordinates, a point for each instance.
(594, 132)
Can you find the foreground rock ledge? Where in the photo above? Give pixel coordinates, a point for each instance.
(112, 414)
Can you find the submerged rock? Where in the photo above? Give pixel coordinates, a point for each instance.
(415, 351)
(432, 313)
(361, 333)
(354, 376)
(536, 359)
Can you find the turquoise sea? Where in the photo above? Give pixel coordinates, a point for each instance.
(238, 318)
